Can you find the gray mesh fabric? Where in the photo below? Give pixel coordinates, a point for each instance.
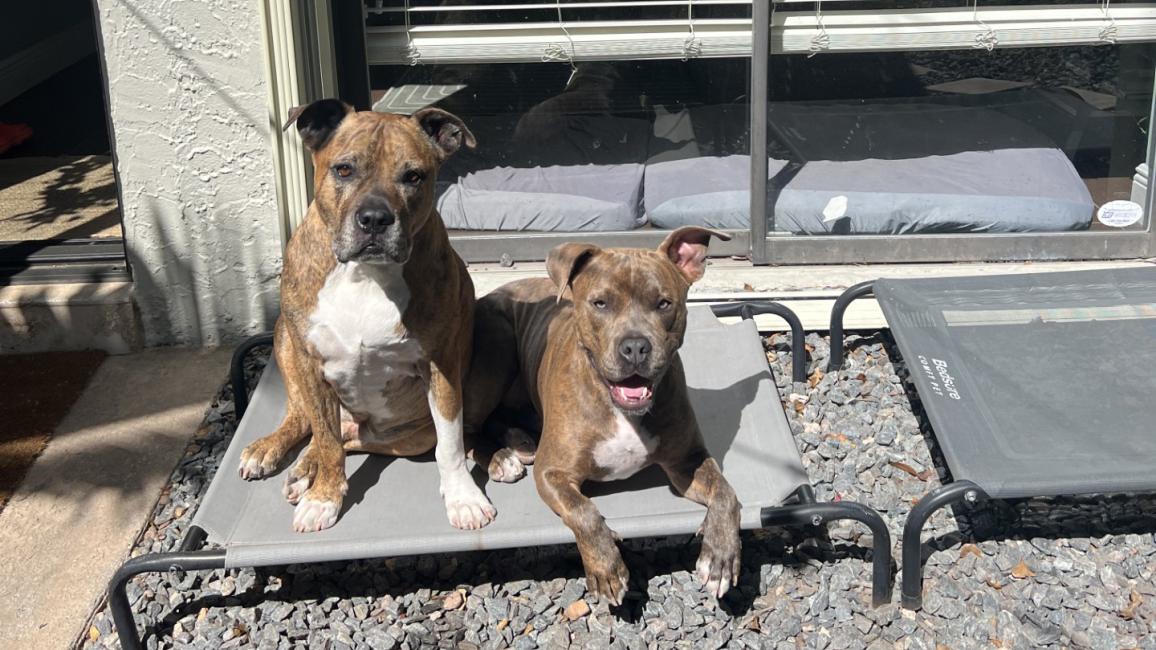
(393, 507)
(1036, 384)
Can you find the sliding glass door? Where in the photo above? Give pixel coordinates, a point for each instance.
(589, 116)
(882, 131)
(909, 132)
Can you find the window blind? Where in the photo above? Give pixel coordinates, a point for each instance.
(442, 31)
(532, 31)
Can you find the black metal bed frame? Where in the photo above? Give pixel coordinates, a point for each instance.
(800, 509)
(957, 492)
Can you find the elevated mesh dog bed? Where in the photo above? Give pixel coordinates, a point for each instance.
(393, 507)
(1036, 385)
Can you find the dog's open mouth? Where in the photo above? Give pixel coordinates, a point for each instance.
(633, 393)
(376, 251)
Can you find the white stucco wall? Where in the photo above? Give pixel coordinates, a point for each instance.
(188, 94)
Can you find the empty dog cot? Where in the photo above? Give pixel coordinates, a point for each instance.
(393, 507)
(1035, 385)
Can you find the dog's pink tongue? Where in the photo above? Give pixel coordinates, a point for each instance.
(632, 393)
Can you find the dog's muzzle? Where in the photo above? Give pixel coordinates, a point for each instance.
(387, 245)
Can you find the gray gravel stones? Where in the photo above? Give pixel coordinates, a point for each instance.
(861, 438)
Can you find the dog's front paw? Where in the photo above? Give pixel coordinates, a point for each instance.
(314, 513)
(466, 507)
(718, 562)
(506, 467)
(606, 574)
(259, 459)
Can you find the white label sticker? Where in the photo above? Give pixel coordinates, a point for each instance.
(1120, 214)
(836, 208)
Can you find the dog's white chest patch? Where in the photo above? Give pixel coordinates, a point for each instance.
(356, 328)
(626, 451)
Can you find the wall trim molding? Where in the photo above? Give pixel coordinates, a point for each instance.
(282, 56)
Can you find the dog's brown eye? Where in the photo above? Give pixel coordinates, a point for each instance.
(344, 170)
(412, 177)
(663, 304)
(598, 303)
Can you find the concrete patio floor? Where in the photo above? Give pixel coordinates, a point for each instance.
(80, 508)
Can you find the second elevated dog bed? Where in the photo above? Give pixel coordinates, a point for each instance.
(393, 507)
(1036, 385)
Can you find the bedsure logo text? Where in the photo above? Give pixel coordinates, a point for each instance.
(942, 383)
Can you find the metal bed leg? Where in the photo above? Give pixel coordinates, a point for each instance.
(798, 336)
(805, 494)
(835, 360)
(817, 514)
(749, 309)
(805, 510)
(187, 558)
(152, 563)
(194, 539)
(237, 371)
(955, 492)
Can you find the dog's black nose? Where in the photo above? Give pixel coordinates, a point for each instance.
(374, 220)
(634, 349)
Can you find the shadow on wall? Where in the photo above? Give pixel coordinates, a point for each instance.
(176, 51)
(184, 297)
(205, 271)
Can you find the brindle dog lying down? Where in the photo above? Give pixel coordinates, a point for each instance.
(593, 351)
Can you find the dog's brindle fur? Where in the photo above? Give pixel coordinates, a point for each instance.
(344, 360)
(557, 355)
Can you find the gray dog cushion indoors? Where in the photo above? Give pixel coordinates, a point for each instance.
(583, 173)
(1010, 190)
(558, 198)
(917, 165)
(393, 507)
(1036, 384)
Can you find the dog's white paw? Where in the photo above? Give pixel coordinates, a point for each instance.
(714, 577)
(256, 463)
(251, 469)
(466, 507)
(312, 515)
(506, 467)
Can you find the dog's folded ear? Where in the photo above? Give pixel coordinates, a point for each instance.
(446, 130)
(686, 248)
(566, 261)
(317, 121)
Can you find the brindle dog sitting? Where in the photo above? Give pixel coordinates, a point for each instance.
(593, 349)
(376, 313)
